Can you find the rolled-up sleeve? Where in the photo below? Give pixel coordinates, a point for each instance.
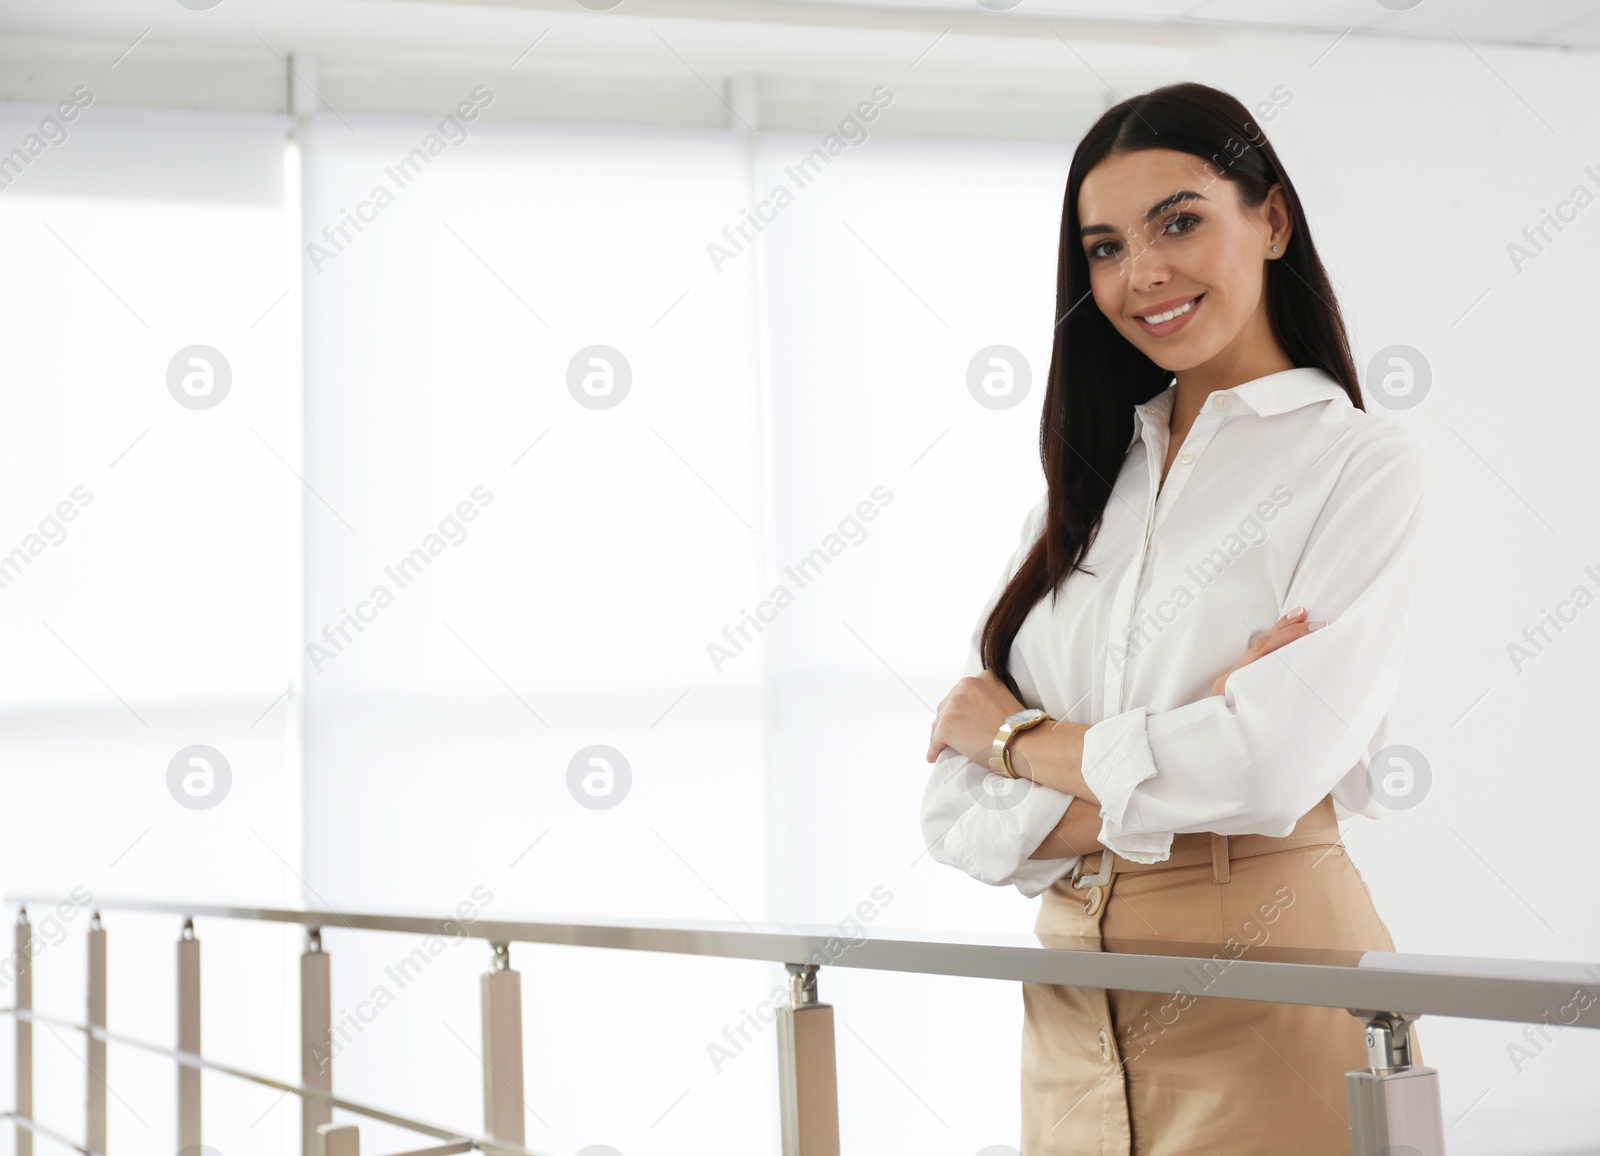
(1293, 723)
(991, 836)
(981, 821)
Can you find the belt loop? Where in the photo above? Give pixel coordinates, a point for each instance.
(1101, 877)
(1219, 859)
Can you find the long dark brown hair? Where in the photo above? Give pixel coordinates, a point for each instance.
(1097, 376)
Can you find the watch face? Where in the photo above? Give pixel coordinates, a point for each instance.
(1023, 716)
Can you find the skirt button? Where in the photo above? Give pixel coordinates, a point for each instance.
(1091, 905)
(1105, 1047)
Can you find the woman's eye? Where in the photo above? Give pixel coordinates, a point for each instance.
(1106, 249)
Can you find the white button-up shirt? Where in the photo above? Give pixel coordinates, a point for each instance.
(1283, 495)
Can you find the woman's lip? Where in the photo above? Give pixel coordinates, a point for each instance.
(1169, 327)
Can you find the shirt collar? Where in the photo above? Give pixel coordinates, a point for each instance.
(1275, 393)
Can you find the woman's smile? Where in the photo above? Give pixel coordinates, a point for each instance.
(1189, 307)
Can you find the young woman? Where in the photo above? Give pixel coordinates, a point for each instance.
(1209, 604)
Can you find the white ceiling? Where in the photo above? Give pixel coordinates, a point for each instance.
(468, 25)
(476, 23)
(1039, 70)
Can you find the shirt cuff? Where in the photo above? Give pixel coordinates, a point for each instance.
(1036, 876)
(993, 839)
(1116, 759)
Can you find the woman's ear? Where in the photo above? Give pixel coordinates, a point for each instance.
(1279, 224)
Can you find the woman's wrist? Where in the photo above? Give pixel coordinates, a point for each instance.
(1076, 834)
(1051, 754)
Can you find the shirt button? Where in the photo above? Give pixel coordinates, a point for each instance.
(1186, 457)
(1105, 1046)
(1219, 401)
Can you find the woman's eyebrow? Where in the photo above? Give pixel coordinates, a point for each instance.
(1153, 211)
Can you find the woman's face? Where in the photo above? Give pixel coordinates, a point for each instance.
(1151, 251)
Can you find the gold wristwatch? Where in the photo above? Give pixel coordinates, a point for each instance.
(1013, 726)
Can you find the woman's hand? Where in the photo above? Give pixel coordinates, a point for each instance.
(1288, 628)
(970, 715)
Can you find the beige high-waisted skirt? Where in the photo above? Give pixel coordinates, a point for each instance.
(1131, 1073)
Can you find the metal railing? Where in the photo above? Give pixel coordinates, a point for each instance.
(1392, 1102)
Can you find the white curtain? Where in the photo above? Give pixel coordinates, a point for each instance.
(149, 585)
(791, 421)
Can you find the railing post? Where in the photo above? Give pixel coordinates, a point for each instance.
(189, 1135)
(95, 1119)
(337, 1140)
(502, 1049)
(316, 1039)
(24, 1002)
(808, 1080)
(1394, 1104)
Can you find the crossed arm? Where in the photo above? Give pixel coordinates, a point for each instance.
(1051, 754)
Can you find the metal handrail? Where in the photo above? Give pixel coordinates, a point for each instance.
(48, 1133)
(1463, 987)
(191, 1060)
(1387, 989)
